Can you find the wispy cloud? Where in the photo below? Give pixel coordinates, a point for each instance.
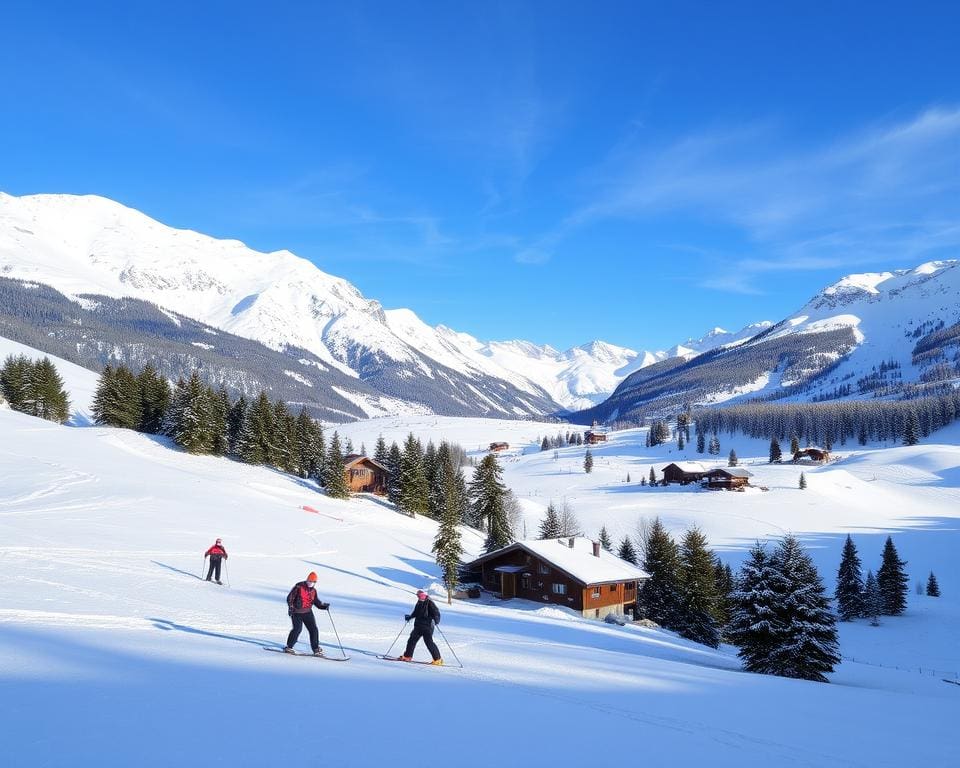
(889, 191)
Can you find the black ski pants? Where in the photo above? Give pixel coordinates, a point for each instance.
(301, 620)
(427, 635)
(214, 567)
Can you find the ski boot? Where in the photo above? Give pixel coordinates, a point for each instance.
(289, 650)
(437, 662)
(404, 658)
(318, 652)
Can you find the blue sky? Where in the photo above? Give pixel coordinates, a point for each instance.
(547, 171)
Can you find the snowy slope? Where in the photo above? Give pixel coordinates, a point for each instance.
(105, 624)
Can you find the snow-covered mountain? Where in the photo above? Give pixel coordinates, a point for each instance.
(867, 335)
(86, 246)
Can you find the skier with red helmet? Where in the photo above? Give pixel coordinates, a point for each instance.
(300, 603)
(216, 553)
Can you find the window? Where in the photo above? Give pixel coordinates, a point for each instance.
(542, 568)
(559, 589)
(596, 613)
(596, 592)
(613, 587)
(525, 582)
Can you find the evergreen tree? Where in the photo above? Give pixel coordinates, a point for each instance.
(50, 398)
(238, 414)
(872, 600)
(807, 648)
(696, 617)
(305, 444)
(775, 453)
(393, 481)
(723, 578)
(628, 477)
(849, 592)
(794, 445)
(116, 400)
(254, 442)
(550, 525)
(802, 484)
(732, 459)
(446, 545)
(545, 445)
(754, 627)
(219, 403)
(933, 588)
(15, 381)
(588, 461)
(414, 492)
(627, 551)
(192, 428)
(660, 594)
(335, 474)
(281, 437)
(488, 495)
(892, 581)
(154, 399)
(701, 442)
(910, 436)
(381, 454)
(605, 541)
(653, 476)
(680, 441)
(714, 448)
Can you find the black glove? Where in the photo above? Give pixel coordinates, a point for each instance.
(324, 606)
(406, 617)
(289, 611)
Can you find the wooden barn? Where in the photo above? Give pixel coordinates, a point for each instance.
(683, 472)
(497, 447)
(594, 436)
(575, 572)
(364, 475)
(726, 479)
(813, 454)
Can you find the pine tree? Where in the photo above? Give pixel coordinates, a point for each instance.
(305, 444)
(701, 442)
(910, 429)
(219, 403)
(933, 588)
(335, 474)
(414, 492)
(849, 592)
(604, 539)
(116, 400)
(754, 627)
(892, 581)
(628, 477)
(50, 399)
(545, 445)
(627, 551)
(653, 476)
(381, 454)
(281, 437)
(723, 578)
(698, 591)
(488, 495)
(808, 647)
(794, 445)
(446, 545)
(775, 453)
(872, 600)
(192, 430)
(254, 442)
(393, 481)
(15, 381)
(550, 525)
(732, 460)
(680, 441)
(238, 414)
(154, 399)
(802, 484)
(659, 595)
(588, 461)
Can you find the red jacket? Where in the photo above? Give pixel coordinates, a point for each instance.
(216, 551)
(302, 598)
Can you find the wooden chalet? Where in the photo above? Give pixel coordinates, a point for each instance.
(575, 572)
(814, 454)
(594, 436)
(683, 472)
(364, 475)
(726, 479)
(497, 447)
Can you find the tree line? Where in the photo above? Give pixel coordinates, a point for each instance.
(34, 387)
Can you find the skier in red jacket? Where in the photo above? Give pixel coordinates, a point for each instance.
(216, 553)
(300, 602)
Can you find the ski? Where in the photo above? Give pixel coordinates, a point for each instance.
(412, 661)
(310, 655)
(946, 680)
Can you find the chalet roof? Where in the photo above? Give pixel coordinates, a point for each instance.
(357, 458)
(731, 472)
(690, 467)
(579, 563)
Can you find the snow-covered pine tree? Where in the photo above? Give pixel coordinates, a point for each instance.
(714, 448)
(698, 591)
(808, 648)
(381, 454)
(281, 437)
(910, 432)
(658, 598)
(238, 413)
(335, 474)
(754, 626)
(219, 404)
(588, 461)
(550, 525)
(193, 429)
(892, 581)
(933, 588)
(414, 492)
(605, 541)
(653, 476)
(701, 442)
(802, 483)
(627, 551)
(545, 445)
(794, 445)
(154, 399)
(775, 453)
(872, 600)
(305, 443)
(254, 443)
(447, 545)
(116, 403)
(487, 493)
(732, 459)
(849, 592)
(723, 578)
(51, 402)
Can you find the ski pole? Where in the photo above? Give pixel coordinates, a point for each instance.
(397, 637)
(226, 571)
(203, 567)
(448, 645)
(342, 652)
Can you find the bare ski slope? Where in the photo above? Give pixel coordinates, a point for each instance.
(114, 652)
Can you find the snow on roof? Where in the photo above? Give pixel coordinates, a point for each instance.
(578, 562)
(733, 471)
(689, 466)
(354, 458)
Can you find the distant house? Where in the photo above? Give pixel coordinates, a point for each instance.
(814, 454)
(594, 436)
(575, 572)
(683, 472)
(364, 475)
(497, 447)
(726, 479)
